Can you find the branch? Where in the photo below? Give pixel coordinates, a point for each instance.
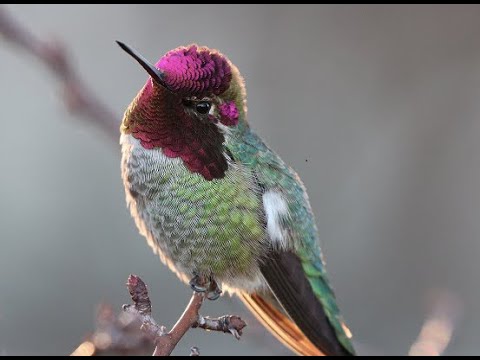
(78, 98)
(228, 324)
(194, 351)
(166, 342)
(136, 326)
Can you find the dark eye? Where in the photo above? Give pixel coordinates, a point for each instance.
(203, 107)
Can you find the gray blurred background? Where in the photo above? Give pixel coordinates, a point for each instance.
(377, 108)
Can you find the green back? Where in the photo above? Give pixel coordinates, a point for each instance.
(273, 174)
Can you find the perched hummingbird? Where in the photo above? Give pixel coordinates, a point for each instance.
(219, 206)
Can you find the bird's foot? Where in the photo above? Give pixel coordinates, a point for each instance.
(214, 291)
(199, 284)
(206, 285)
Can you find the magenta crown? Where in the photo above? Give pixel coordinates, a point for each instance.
(195, 71)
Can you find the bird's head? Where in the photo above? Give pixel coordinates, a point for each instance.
(192, 99)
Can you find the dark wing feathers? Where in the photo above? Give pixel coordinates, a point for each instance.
(286, 278)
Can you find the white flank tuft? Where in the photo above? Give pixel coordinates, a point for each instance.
(275, 209)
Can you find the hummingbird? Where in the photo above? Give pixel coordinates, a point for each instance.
(221, 209)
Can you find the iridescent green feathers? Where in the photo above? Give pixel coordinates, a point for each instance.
(272, 173)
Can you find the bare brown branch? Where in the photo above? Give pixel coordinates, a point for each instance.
(78, 98)
(135, 330)
(228, 324)
(139, 294)
(166, 342)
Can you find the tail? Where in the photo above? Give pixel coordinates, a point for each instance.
(274, 319)
(306, 320)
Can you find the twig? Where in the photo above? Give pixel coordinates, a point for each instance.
(166, 342)
(228, 324)
(135, 329)
(78, 98)
(142, 308)
(194, 351)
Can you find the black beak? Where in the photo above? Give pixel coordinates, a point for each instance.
(156, 74)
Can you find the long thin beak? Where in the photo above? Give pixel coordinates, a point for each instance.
(155, 73)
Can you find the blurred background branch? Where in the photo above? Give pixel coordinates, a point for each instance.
(443, 313)
(77, 96)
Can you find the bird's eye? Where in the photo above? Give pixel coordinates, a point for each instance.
(203, 107)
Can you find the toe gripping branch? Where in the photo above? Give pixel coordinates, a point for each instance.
(206, 285)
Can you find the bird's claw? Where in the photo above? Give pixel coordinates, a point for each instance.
(214, 294)
(198, 284)
(207, 286)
